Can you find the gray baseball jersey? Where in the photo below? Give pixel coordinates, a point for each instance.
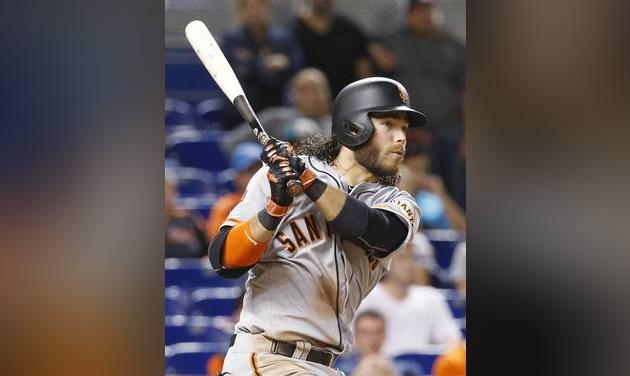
(309, 283)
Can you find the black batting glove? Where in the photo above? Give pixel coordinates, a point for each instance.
(275, 149)
(276, 154)
(279, 175)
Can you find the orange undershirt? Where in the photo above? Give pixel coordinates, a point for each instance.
(240, 248)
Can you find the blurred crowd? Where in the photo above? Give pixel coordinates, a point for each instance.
(291, 74)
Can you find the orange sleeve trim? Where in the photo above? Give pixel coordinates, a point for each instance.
(241, 249)
(308, 178)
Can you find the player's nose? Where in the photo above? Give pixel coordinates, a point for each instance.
(400, 136)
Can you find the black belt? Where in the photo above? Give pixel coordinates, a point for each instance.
(287, 349)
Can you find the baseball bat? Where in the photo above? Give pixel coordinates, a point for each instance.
(217, 65)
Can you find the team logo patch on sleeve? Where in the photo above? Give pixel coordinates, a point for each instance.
(406, 208)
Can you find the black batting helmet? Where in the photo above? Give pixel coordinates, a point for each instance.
(351, 125)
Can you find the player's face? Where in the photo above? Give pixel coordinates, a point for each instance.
(369, 335)
(385, 152)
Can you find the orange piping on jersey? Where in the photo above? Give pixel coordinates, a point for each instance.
(252, 363)
(241, 249)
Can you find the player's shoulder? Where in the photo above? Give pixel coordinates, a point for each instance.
(324, 171)
(374, 193)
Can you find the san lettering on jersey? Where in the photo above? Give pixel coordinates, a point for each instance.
(303, 231)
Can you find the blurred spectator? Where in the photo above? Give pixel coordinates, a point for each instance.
(375, 365)
(417, 318)
(332, 43)
(439, 209)
(369, 334)
(431, 65)
(458, 268)
(264, 57)
(424, 255)
(309, 93)
(183, 235)
(245, 161)
(452, 362)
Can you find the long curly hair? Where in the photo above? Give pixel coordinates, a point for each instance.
(326, 149)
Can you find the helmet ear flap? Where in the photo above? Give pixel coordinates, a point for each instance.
(355, 133)
(351, 128)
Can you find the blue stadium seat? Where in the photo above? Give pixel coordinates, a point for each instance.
(191, 274)
(209, 112)
(193, 182)
(178, 112)
(224, 181)
(215, 301)
(202, 152)
(415, 364)
(457, 306)
(444, 243)
(177, 301)
(179, 328)
(191, 358)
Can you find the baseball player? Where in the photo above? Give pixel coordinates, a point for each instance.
(311, 259)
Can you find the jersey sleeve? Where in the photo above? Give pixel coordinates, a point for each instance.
(254, 199)
(406, 208)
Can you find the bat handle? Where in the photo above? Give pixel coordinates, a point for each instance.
(295, 187)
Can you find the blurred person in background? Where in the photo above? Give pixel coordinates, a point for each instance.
(424, 255)
(183, 235)
(332, 43)
(417, 318)
(439, 209)
(458, 268)
(263, 56)
(432, 65)
(373, 365)
(310, 94)
(452, 362)
(369, 335)
(310, 97)
(245, 161)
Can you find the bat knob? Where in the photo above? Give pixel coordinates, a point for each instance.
(295, 187)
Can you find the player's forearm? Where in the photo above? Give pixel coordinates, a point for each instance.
(246, 242)
(328, 199)
(354, 220)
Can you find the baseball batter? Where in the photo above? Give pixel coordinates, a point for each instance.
(312, 259)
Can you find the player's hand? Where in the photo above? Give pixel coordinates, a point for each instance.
(280, 172)
(276, 155)
(307, 176)
(274, 150)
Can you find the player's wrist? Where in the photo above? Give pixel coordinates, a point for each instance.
(315, 189)
(269, 222)
(275, 209)
(307, 178)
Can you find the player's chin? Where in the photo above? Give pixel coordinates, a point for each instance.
(390, 168)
